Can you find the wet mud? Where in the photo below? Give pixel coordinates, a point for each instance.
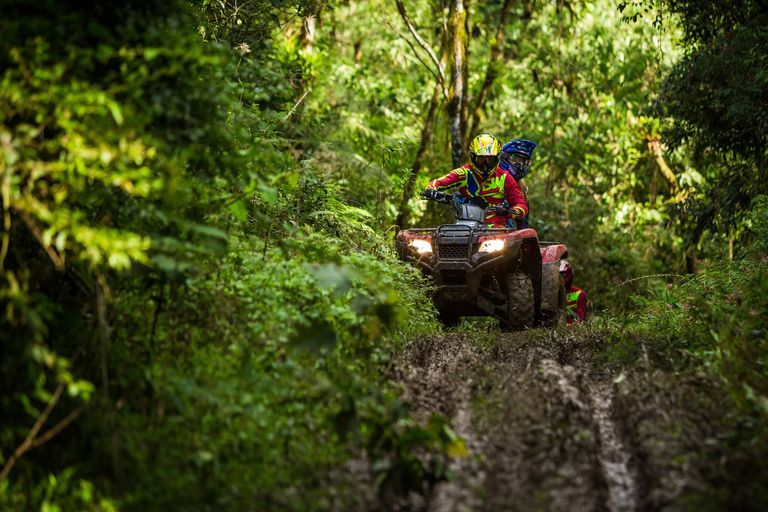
(549, 426)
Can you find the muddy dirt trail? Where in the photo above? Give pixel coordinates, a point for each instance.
(548, 425)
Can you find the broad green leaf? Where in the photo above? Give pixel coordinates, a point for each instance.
(269, 193)
(239, 210)
(293, 179)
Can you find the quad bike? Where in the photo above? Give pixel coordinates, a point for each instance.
(482, 271)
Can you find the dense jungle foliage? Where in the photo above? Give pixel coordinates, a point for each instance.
(200, 301)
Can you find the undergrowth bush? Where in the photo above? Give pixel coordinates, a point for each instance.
(251, 382)
(716, 319)
(715, 326)
(191, 319)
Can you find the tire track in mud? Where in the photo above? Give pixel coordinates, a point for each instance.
(620, 474)
(541, 435)
(438, 378)
(614, 456)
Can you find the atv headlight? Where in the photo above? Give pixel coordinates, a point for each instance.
(420, 246)
(491, 246)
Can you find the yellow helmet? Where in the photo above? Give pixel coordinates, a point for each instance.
(485, 154)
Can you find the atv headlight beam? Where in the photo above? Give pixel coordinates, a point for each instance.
(491, 245)
(420, 246)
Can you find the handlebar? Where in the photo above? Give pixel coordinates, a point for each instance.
(440, 197)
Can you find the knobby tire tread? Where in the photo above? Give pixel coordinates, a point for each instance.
(520, 309)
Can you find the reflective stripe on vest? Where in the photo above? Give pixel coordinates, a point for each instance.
(572, 300)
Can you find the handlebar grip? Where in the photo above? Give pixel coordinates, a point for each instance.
(435, 196)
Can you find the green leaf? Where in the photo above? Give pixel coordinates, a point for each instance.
(208, 231)
(457, 449)
(269, 193)
(103, 53)
(331, 276)
(165, 263)
(293, 179)
(314, 337)
(81, 387)
(117, 112)
(239, 210)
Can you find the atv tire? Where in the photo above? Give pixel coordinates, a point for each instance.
(448, 320)
(520, 302)
(561, 313)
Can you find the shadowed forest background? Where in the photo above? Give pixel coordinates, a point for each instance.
(201, 305)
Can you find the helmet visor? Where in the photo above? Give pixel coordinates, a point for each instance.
(486, 162)
(520, 168)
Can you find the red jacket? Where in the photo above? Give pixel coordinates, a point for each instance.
(576, 303)
(499, 187)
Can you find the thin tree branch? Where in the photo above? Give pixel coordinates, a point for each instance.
(437, 78)
(550, 165)
(654, 148)
(100, 299)
(27, 444)
(424, 44)
(58, 261)
(53, 431)
(103, 326)
(290, 112)
(526, 68)
(445, 20)
(491, 70)
(426, 134)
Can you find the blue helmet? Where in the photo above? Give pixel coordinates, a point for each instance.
(520, 147)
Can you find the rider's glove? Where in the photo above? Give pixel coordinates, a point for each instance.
(430, 193)
(499, 210)
(517, 212)
(514, 213)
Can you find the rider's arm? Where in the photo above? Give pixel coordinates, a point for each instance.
(581, 306)
(451, 179)
(514, 197)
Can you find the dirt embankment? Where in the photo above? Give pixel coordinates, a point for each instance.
(550, 426)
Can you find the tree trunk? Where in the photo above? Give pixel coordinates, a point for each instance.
(457, 40)
(426, 134)
(690, 261)
(654, 148)
(691, 250)
(557, 82)
(308, 29)
(492, 70)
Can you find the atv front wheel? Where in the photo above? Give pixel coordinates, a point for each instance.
(520, 305)
(448, 320)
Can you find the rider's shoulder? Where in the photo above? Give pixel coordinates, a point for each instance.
(461, 171)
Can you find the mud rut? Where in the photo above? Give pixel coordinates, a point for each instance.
(545, 427)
